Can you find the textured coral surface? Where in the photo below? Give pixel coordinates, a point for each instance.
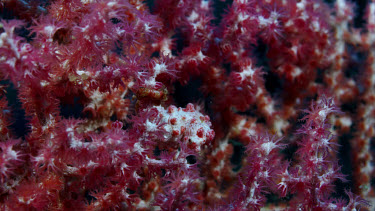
(187, 105)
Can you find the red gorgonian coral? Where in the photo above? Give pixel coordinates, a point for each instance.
(186, 105)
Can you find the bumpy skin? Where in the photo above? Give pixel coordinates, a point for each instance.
(282, 83)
